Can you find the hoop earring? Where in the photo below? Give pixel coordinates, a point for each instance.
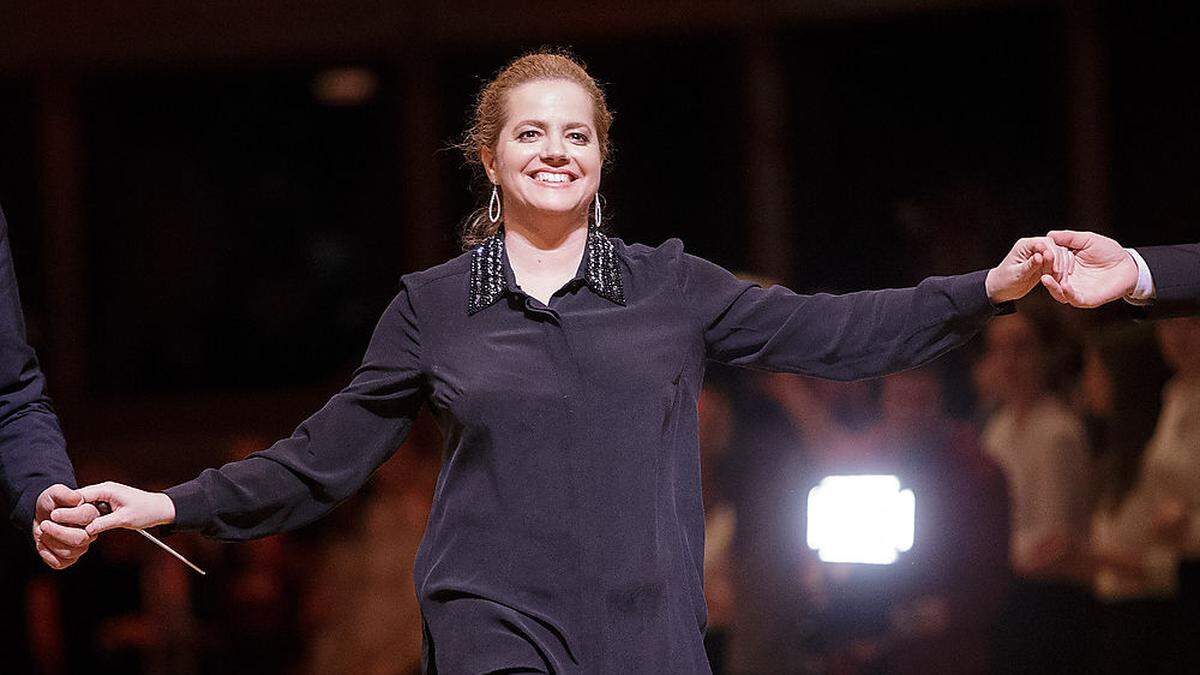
(494, 205)
(597, 224)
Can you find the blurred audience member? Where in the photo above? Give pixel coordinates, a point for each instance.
(720, 523)
(1041, 447)
(1134, 572)
(253, 611)
(362, 611)
(1173, 465)
(760, 476)
(948, 587)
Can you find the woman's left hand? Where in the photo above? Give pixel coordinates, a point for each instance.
(1023, 267)
(131, 508)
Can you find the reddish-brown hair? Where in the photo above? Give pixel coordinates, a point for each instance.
(490, 110)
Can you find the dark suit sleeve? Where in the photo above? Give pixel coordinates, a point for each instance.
(1176, 273)
(33, 455)
(839, 337)
(328, 457)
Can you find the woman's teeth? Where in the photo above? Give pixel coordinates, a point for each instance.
(546, 177)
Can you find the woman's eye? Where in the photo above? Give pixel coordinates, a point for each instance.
(527, 134)
(578, 137)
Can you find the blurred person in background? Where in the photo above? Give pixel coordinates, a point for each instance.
(720, 521)
(1041, 446)
(945, 595)
(932, 611)
(1134, 571)
(252, 616)
(830, 610)
(1172, 466)
(758, 480)
(361, 608)
(563, 367)
(756, 468)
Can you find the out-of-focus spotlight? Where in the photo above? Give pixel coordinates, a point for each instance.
(345, 86)
(860, 519)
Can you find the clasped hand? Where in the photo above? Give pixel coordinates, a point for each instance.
(66, 521)
(1031, 260)
(1082, 269)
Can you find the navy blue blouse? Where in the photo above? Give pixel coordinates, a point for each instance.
(567, 529)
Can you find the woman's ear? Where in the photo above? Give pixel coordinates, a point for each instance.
(488, 159)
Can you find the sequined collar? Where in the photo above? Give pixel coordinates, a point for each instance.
(489, 279)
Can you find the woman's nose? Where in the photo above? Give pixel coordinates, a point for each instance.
(554, 150)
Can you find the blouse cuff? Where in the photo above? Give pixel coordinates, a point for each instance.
(972, 294)
(191, 507)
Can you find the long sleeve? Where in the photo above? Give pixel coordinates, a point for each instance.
(1176, 274)
(328, 457)
(840, 337)
(33, 455)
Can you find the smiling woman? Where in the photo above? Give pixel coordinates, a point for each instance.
(563, 366)
(503, 114)
(547, 167)
(545, 163)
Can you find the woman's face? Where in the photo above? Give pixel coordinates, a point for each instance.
(547, 159)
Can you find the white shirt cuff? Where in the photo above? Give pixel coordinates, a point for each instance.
(1143, 293)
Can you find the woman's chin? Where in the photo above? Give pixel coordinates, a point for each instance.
(555, 211)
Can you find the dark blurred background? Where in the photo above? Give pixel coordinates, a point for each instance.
(211, 203)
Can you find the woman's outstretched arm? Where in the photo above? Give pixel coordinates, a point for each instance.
(300, 478)
(856, 335)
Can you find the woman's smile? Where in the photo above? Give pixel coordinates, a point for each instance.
(552, 179)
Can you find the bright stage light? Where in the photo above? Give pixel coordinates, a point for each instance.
(860, 519)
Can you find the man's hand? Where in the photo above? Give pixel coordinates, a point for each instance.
(1103, 270)
(1028, 261)
(60, 544)
(132, 508)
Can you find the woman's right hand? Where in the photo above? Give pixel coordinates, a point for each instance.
(132, 508)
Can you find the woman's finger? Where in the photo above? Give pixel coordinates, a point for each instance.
(103, 492)
(112, 521)
(1033, 264)
(1051, 260)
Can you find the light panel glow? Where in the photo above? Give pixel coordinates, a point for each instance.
(861, 519)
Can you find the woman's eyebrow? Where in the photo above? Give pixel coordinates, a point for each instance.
(542, 125)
